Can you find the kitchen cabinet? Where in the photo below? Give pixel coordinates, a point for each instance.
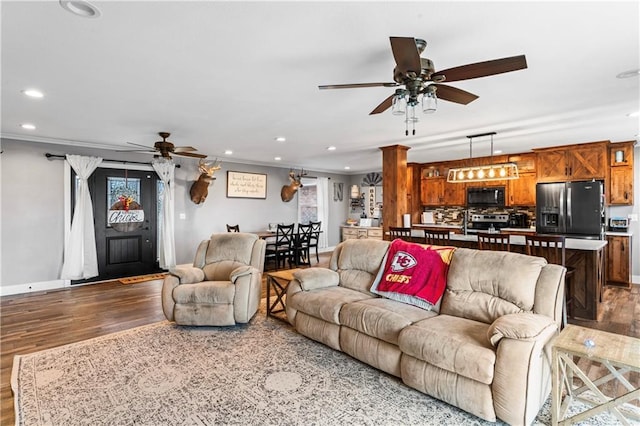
(621, 173)
(432, 191)
(619, 260)
(522, 191)
(455, 194)
(573, 162)
(361, 232)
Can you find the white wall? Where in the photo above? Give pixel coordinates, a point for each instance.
(32, 208)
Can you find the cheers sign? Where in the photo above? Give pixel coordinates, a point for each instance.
(125, 216)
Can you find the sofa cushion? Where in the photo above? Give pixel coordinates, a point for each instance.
(206, 292)
(225, 252)
(454, 344)
(381, 318)
(358, 263)
(325, 303)
(484, 285)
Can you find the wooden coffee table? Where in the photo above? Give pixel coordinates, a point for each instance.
(278, 282)
(619, 354)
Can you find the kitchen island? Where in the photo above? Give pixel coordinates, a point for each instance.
(586, 257)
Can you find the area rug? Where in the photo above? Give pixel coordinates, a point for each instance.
(263, 373)
(142, 278)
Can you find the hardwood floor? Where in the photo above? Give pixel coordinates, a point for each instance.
(42, 320)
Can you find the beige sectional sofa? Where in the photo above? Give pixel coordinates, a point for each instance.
(487, 349)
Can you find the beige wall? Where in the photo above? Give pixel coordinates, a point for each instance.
(32, 208)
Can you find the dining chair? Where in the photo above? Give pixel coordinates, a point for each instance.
(493, 241)
(315, 237)
(233, 228)
(300, 252)
(280, 249)
(552, 248)
(399, 232)
(436, 237)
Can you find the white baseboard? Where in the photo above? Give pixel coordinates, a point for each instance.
(635, 279)
(326, 249)
(33, 287)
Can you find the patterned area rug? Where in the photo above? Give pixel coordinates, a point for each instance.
(262, 373)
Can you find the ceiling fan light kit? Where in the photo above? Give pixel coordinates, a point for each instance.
(421, 81)
(482, 173)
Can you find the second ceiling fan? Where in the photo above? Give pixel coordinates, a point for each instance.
(418, 76)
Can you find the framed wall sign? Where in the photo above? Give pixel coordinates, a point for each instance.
(246, 185)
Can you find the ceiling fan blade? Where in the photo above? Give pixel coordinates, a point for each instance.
(190, 154)
(145, 151)
(482, 69)
(405, 52)
(183, 149)
(384, 105)
(356, 85)
(453, 94)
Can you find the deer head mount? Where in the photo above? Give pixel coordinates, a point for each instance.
(200, 188)
(288, 191)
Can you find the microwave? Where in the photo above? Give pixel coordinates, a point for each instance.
(488, 196)
(618, 224)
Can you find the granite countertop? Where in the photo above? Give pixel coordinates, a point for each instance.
(572, 243)
(619, 234)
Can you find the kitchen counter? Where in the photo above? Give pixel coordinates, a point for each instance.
(618, 234)
(519, 240)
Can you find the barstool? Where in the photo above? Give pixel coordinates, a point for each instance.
(493, 241)
(552, 248)
(398, 232)
(436, 237)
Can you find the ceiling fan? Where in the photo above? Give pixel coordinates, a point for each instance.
(165, 148)
(418, 76)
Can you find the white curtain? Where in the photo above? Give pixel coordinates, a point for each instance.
(166, 171)
(323, 210)
(80, 257)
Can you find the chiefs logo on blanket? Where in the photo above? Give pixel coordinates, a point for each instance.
(402, 260)
(414, 274)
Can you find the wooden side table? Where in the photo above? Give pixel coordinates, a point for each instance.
(619, 354)
(278, 282)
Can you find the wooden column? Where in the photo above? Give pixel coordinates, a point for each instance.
(394, 185)
(414, 204)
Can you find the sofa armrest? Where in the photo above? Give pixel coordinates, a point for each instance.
(242, 271)
(524, 326)
(187, 274)
(314, 278)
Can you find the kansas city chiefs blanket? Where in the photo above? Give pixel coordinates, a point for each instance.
(414, 274)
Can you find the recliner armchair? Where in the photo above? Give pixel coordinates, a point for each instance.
(222, 287)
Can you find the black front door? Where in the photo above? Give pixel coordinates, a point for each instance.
(125, 208)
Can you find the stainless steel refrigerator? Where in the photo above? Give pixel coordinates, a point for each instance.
(574, 209)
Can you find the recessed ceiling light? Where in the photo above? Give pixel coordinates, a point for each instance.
(277, 158)
(28, 126)
(331, 148)
(629, 74)
(228, 152)
(634, 114)
(497, 151)
(80, 8)
(33, 93)
(281, 139)
(347, 168)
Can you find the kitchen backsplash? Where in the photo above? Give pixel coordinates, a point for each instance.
(455, 215)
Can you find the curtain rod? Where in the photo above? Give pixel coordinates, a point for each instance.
(110, 161)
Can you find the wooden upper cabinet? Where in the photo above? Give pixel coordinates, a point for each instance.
(526, 162)
(573, 162)
(620, 191)
(522, 191)
(432, 191)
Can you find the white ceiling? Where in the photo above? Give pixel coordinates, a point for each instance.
(234, 75)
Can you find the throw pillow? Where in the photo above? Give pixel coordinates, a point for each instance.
(414, 274)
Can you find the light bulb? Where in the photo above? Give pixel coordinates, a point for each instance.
(481, 173)
(492, 173)
(470, 174)
(503, 172)
(460, 175)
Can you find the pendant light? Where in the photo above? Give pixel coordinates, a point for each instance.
(482, 173)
